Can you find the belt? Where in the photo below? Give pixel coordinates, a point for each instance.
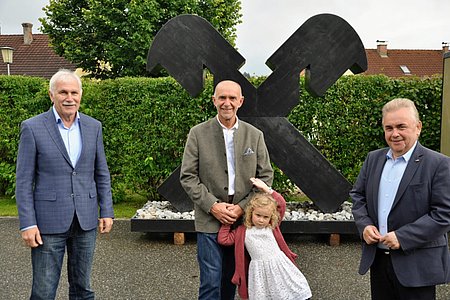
(230, 198)
(384, 251)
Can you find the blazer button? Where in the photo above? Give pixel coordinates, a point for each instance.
(225, 188)
(74, 173)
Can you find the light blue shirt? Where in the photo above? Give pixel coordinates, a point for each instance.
(71, 137)
(390, 180)
(228, 135)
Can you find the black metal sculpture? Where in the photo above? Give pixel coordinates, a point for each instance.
(325, 46)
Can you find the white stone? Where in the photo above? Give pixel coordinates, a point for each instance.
(294, 212)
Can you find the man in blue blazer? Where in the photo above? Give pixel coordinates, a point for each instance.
(401, 206)
(62, 186)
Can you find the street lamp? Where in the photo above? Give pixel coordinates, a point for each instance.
(7, 54)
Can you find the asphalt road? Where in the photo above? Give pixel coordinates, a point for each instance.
(134, 265)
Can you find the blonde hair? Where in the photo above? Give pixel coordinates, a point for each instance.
(261, 200)
(398, 103)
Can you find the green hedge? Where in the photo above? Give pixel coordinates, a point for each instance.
(145, 122)
(346, 123)
(20, 98)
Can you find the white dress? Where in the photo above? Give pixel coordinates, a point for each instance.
(271, 274)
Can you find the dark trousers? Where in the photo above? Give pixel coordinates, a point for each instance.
(384, 284)
(228, 289)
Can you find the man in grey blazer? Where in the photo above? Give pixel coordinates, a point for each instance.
(62, 186)
(220, 157)
(401, 206)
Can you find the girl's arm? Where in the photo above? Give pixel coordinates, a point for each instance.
(281, 204)
(261, 185)
(226, 236)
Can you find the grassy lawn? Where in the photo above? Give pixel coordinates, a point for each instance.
(7, 206)
(121, 210)
(127, 209)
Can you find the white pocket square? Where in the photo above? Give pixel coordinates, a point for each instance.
(248, 151)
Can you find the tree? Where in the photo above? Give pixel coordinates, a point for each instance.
(111, 38)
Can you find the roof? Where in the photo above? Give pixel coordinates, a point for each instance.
(36, 59)
(419, 62)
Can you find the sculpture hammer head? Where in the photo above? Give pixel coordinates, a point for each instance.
(185, 45)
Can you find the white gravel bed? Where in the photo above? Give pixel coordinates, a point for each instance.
(295, 211)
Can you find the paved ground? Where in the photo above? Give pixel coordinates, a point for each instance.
(130, 265)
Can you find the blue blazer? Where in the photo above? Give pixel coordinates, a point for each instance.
(49, 190)
(420, 216)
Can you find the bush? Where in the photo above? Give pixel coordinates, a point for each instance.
(345, 124)
(20, 98)
(146, 122)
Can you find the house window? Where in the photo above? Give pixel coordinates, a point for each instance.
(405, 70)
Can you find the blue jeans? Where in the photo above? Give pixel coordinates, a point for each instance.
(216, 264)
(47, 261)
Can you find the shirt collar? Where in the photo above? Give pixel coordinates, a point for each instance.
(406, 156)
(58, 118)
(235, 126)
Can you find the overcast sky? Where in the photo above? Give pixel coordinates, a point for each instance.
(266, 24)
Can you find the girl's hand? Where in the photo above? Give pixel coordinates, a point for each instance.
(261, 185)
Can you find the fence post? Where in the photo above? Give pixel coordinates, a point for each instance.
(445, 118)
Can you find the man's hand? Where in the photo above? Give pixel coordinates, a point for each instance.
(32, 237)
(371, 235)
(224, 212)
(237, 210)
(390, 240)
(105, 225)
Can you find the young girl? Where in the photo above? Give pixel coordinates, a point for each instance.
(270, 271)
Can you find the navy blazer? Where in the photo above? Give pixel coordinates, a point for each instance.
(49, 190)
(420, 215)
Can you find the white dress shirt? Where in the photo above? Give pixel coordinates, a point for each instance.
(228, 135)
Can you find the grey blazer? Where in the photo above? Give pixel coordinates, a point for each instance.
(420, 215)
(49, 190)
(204, 174)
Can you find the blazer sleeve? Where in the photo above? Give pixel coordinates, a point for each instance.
(429, 228)
(25, 172)
(103, 179)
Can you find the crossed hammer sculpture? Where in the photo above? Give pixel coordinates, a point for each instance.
(325, 46)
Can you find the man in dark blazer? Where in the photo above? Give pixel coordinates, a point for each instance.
(220, 157)
(62, 186)
(401, 206)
